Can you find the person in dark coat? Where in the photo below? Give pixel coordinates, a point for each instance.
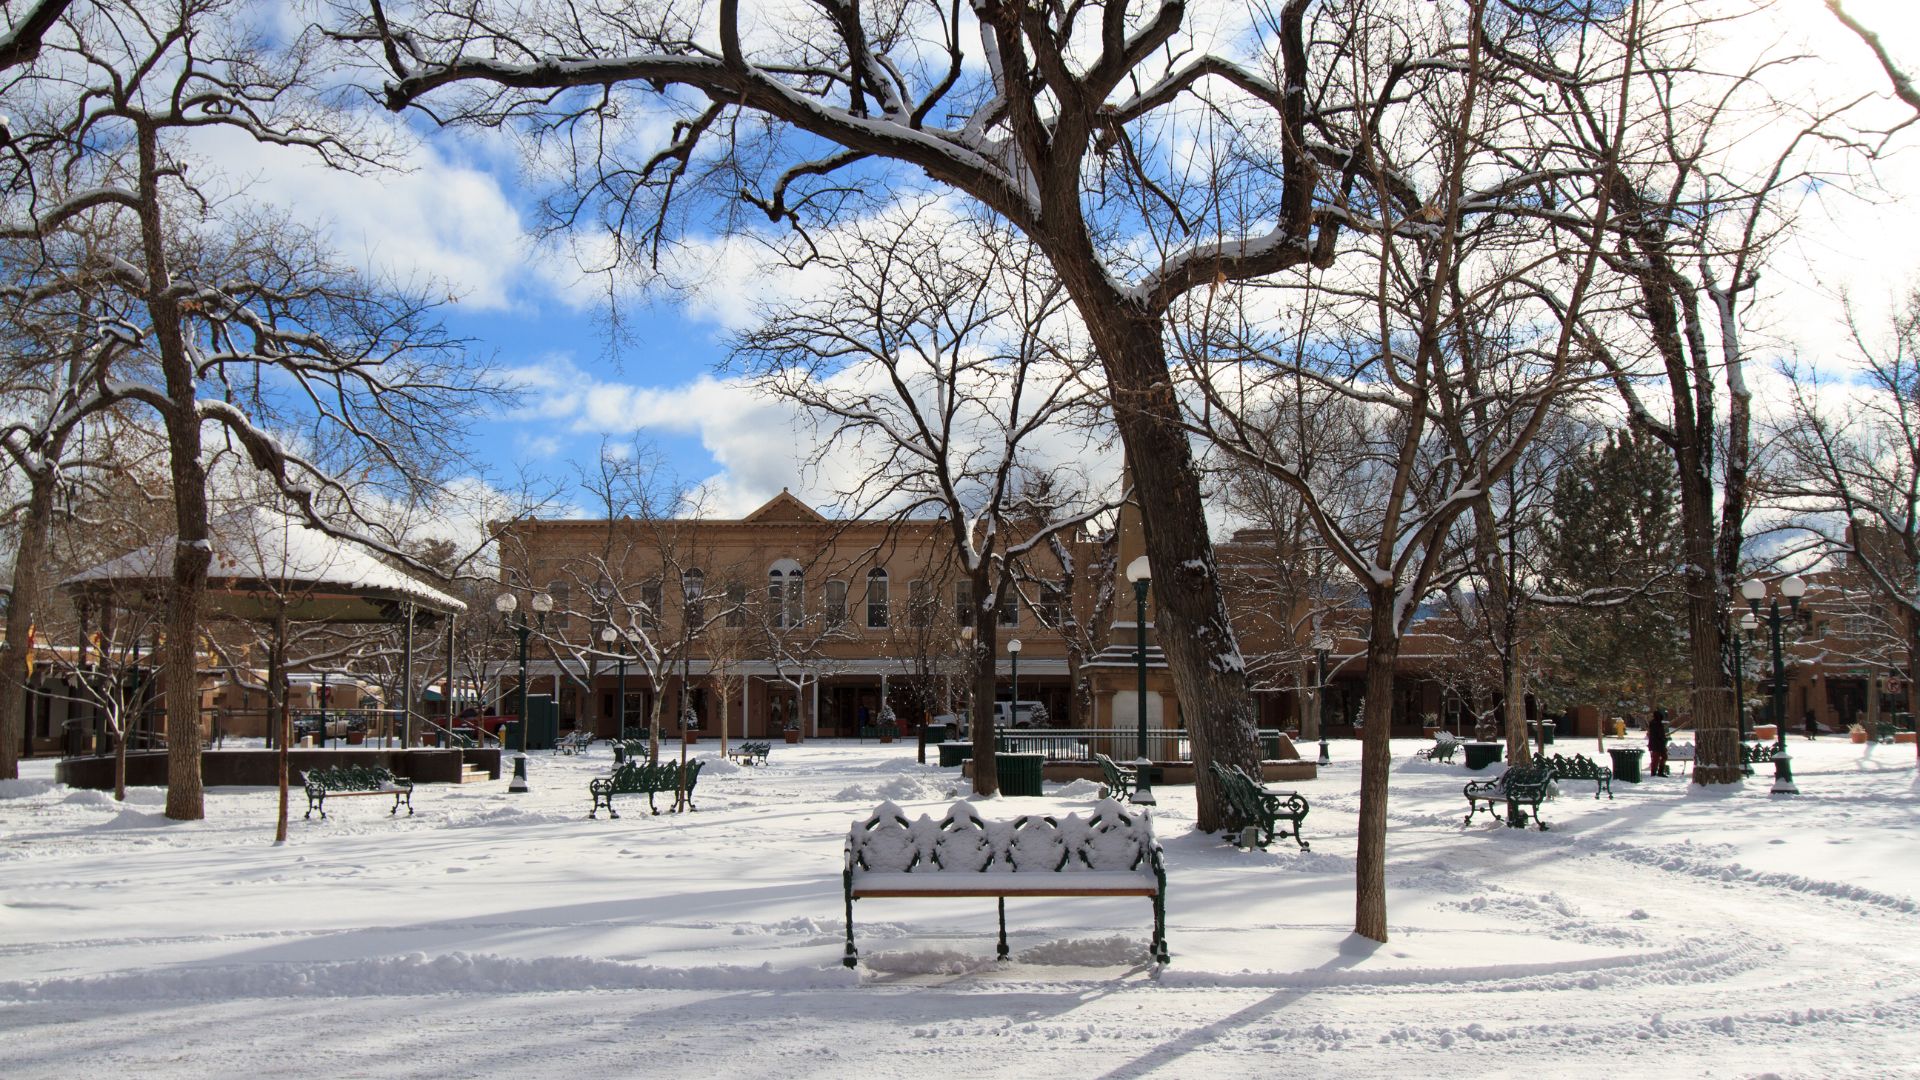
(1657, 743)
(1813, 727)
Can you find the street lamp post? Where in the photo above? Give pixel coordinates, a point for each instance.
(1141, 574)
(1793, 589)
(1013, 707)
(609, 635)
(1322, 648)
(1748, 622)
(506, 603)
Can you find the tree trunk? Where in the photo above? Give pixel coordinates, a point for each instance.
(1716, 731)
(120, 764)
(193, 551)
(986, 771)
(29, 567)
(1191, 623)
(1376, 761)
(279, 717)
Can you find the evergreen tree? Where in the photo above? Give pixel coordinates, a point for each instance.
(1611, 542)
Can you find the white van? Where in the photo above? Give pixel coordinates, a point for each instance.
(1019, 714)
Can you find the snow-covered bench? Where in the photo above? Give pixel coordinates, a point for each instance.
(1680, 753)
(347, 781)
(1444, 744)
(1113, 853)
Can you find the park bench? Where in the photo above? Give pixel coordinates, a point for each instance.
(1120, 780)
(750, 753)
(1582, 767)
(1520, 784)
(1681, 754)
(347, 781)
(1444, 744)
(641, 778)
(573, 742)
(1113, 853)
(1250, 805)
(1755, 753)
(625, 750)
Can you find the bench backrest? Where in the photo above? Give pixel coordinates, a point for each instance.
(964, 842)
(1525, 778)
(350, 777)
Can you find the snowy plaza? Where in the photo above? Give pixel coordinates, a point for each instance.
(1671, 930)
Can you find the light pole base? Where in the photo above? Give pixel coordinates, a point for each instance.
(1143, 784)
(1783, 773)
(518, 785)
(1325, 757)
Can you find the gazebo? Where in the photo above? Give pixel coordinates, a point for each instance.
(271, 569)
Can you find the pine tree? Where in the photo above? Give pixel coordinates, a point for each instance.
(1612, 539)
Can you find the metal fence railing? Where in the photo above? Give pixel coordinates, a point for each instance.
(1080, 744)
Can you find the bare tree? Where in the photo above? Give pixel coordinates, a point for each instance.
(1901, 80)
(1440, 415)
(224, 294)
(937, 361)
(1848, 474)
(1068, 122)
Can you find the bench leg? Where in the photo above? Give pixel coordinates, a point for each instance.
(852, 958)
(1003, 926)
(1159, 946)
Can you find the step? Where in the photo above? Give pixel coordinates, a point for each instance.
(472, 774)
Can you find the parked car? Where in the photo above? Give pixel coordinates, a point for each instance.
(1020, 714)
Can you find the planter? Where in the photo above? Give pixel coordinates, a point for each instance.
(1482, 754)
(355, 738)
(1856, 736)
(1765, 733)
(1904, 737)
(792, 736)
(886, 736)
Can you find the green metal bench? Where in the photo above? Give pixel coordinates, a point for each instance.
(1250, 805)
(1581, 767)
(750, 753)
(573, 742)
(1113, 853)
(1520, 784)
(1120, 780)
(641, 778)
(347, 781)
(1444, 745)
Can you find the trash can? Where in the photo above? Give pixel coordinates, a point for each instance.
(1482, 754)
(1541, 732)
(1020, 774)
(73, 740)
(510, 736)
(1626, 763)
(938, 733)
(953, 753)
(1269, 745)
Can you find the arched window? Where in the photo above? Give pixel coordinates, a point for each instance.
(786, 594)
(834, 603)
(877, 598)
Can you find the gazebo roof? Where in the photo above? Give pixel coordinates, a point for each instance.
(264, 562)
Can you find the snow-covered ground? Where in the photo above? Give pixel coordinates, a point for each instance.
(1665, 932)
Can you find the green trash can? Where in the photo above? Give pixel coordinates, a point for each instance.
(1626, 763)
(1269, 745)
(1482, 754)
(1020, 774)
(953, 753)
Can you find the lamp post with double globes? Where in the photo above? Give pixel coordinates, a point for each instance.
(507, 604)
(1013, 707)
(1140, 573)
(609, 635)
(1322, 648)
(1793, 588)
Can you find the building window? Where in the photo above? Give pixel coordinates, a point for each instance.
(834, 603)
(1047, 610)
(650, 605)
(796, 597)
(558, 590)
(877, 598)
(1009, 608)
(963, 603)
(693, 588)
(920, 603)
(736, 604)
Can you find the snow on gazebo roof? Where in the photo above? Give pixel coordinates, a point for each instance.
(262, 555)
